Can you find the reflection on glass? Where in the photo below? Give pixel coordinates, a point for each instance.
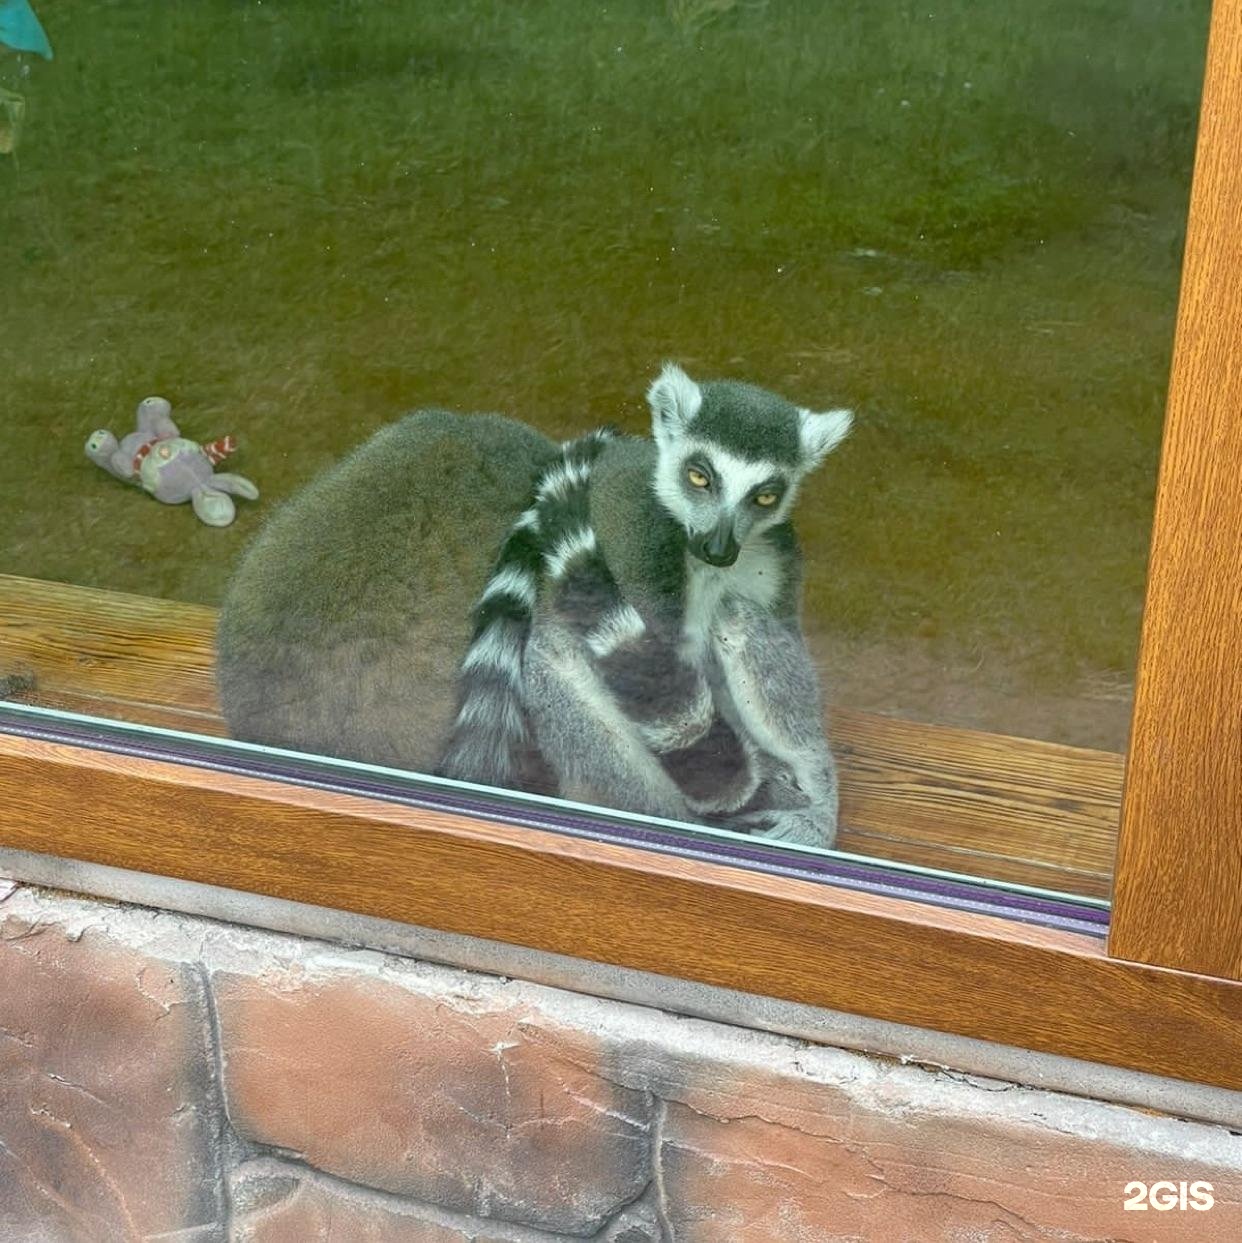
(297, 222)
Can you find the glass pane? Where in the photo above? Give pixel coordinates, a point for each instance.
(299, 222)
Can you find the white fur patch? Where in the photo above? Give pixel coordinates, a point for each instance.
(621, 625)
(674, 399)
(668, 488)
(755, 575)
(570, 548)
(529, 521)
(493, 650)
(563, 479)
(512, 582)
(821, 433)
(737, 477)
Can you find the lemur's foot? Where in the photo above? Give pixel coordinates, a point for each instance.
(808, 826)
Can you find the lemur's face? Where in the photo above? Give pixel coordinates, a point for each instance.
(731, 457)
(722, 499)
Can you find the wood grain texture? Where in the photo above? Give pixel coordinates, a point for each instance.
(108, 646)
(952, 971)
(1012, 809)
(1178, 896)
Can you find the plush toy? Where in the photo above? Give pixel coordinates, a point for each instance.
(159, 459)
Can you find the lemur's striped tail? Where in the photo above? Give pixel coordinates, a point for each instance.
(491, 742)
(636, 656)
(490, 739)
(584, 593)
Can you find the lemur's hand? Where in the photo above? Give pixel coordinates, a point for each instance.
(803, 826)
(780, 790)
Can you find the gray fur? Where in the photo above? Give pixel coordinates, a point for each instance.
(597, 753)
(345, 625)
(774, 697)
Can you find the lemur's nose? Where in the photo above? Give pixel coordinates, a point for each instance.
(720, 546)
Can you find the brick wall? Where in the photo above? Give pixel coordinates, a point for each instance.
(164, 1077)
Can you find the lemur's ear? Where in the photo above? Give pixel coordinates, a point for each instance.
(674, 399)
(821, 433)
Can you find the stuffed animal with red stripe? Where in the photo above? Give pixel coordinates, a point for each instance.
(172, 468)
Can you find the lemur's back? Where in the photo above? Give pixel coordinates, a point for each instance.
(643, 546)
(343, 630)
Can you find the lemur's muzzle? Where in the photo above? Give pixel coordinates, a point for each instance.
(718, 546)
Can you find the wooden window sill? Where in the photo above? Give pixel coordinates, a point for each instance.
(1011, 809)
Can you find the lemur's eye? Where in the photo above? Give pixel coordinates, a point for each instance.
(766, 499)
(697, 477)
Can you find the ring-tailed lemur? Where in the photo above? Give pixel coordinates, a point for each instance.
(672, 683)
(348, 623)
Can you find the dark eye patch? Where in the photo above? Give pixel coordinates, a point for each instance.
(702, 467)
(771, 487)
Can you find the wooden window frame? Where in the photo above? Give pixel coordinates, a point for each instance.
(1163, 995)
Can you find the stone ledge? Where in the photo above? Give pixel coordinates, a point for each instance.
(471, 1098)
(378, 1097)
(108, 1112)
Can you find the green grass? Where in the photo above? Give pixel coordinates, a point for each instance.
(298, 219)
